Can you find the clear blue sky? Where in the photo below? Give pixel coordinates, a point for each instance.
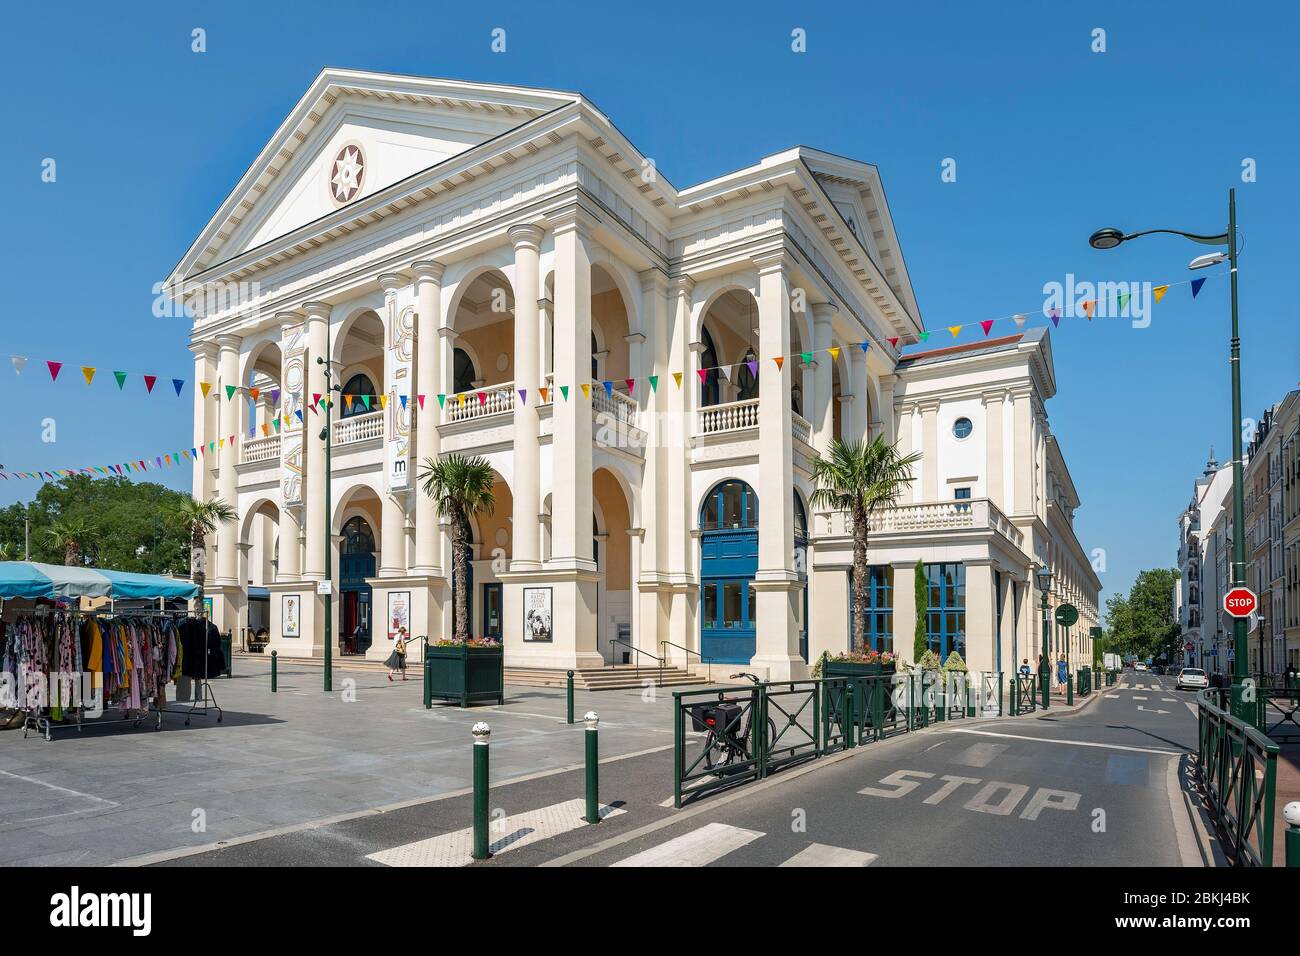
(1050, 139)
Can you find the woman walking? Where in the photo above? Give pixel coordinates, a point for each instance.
(1062, 674)
(397, 660)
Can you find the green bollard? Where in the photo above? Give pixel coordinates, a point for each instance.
(427, 675)
(1291, 814)
(1069, 688)
(275, 677)
(568, 696)
(482, 733)
(849, 693)
(591, 719)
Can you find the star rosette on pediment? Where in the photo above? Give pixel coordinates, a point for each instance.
(347, 173)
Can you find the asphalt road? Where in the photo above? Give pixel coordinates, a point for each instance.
(1101, 787)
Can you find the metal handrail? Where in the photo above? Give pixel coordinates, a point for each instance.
(637, 665)
(1237, 766)
(703, 659)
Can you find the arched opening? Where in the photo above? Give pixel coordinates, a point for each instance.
(612, 549)
(359, 396)
(731, 347)
(356, 563)
(261, 399)
(360, 378)
(258, 547)
(482, 375)
(728, 565)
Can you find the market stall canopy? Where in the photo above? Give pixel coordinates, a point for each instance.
(31, 580)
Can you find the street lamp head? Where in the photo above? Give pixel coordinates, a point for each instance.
(1207, 260)
(1044, 575)
(1106, 238)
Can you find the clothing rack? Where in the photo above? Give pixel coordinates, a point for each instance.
(200, 707)
(37, 719)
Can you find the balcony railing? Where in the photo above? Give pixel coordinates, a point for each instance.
(481, 402)
(974, 514)
(616, 404)
(359, 428)
(728, 417)
(261, 449)
(801, 428)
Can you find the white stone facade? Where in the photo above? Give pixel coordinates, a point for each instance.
(499, 247)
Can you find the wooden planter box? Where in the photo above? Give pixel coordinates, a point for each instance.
(832, 669)
(465, 674)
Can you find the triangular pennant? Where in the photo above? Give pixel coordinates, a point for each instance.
(835, 352)
(654, 382)
(149, 381)
(677, 377)
(275, 396)
(543, 392)
(482, 398)
(442, 400)
(893, 343)
(404, 399)
(460, 398)
(986, 325)
(806, 357)
(299, 414)
(347, 403)
(277, 421)
(1196, 286)
(725, 371)
(923, 337)
(630, 383)
(586, 389)
(752, 365)
(365, 400)
(864, 345)
(1122, 301)
(178, 384)
(55, 366)
(19, 361)
(230, 391)
(704, 375)
(254, 393)
(266, 429)
(1055, 316)
(1019, 320)
(1088, 307)
(780, 361)
(564, 392)
(955, 330)
(609, 388)
(88, 373)
(205, 387)
(523, 396)
(1159, 291)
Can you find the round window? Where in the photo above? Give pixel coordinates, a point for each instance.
(962, 428)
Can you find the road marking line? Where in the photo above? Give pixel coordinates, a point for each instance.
(700, 847)
(1136, 697)
(979, 755)
(1168, 700)
(522, 829)
(1070, 743)
(820, 854)
(1112, 696)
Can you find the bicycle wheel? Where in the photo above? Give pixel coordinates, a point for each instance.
(716, 752)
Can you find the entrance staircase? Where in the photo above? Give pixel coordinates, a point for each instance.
(617, 677)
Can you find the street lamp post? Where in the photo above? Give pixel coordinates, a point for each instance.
(1044, 575)
(326, 435)
(1109, 239)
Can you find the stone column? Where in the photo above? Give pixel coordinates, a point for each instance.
(1023, 456)
(318, 316)
(981, 615)
(861, 396)
(428, 382)
(205, 429)
(905, 610)
(227, 487)
(678, 559)
(392, 530)
(822, 410)
(906, 446)
(994, 484)
(930, 450)
(526, 539)
(776, 582)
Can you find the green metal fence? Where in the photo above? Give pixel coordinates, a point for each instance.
(1277, 714)
(791, 723)
(1024, 694)
(1238, 771)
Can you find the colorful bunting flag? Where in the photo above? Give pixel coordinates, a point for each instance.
(780, 361)
(955, 330)
(752, 365)
(1088, 307)
(205, 387)
(609, 388)
(893, 343)
(55, 366)
(523, 396)
(1196, 286)
(230, 391)
(654, 382)
(1159, 291)
(543, 392)
(149, 381)
(835, 353)
(88, 372)
(986, 325)
(178, 384)
(19, 361)
(586, 389)
(630, 383)
(564, 392)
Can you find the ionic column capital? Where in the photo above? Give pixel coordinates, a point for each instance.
(390, 282)
(317, 310)
(428, 270)
(526, 235)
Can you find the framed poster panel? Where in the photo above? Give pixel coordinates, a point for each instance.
(399, 613)
(537, 616)
(290, 615)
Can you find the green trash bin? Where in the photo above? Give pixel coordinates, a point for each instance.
(227, 651)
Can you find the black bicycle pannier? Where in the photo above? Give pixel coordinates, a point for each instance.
(716, 717)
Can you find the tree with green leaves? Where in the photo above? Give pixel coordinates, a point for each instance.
(200, 519)
(73, 535)
(858, 479)
(1142, 622)
(460, 487)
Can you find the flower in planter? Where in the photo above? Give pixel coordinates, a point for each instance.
(471, 642)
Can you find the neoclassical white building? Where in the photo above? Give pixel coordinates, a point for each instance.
(498, 271)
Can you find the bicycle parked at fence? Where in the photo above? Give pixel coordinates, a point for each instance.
(727, 724)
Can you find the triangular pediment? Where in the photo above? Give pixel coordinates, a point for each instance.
(352, 135)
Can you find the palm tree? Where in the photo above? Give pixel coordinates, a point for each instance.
(858, 479)
(8, 551)
(460, 487)
(200, 519)
(72, 535)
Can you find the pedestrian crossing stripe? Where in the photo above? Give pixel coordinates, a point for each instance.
(713, 841)
(511, 833)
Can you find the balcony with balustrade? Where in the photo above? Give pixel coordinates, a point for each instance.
(956, 521)
(731, 422)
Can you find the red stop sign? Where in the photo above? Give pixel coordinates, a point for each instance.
(1240, 602)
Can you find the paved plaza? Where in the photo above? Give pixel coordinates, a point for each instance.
(281, 761)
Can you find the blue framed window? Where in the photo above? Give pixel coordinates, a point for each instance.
(962, 496)
(880, 608)
(945, 612)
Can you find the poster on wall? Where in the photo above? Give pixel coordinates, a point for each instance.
(207, 608)
(399, 613)
(290, 614)
(399, 330)
(537, 615)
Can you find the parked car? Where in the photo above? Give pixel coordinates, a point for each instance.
(1139, 666)
(1190, 678)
